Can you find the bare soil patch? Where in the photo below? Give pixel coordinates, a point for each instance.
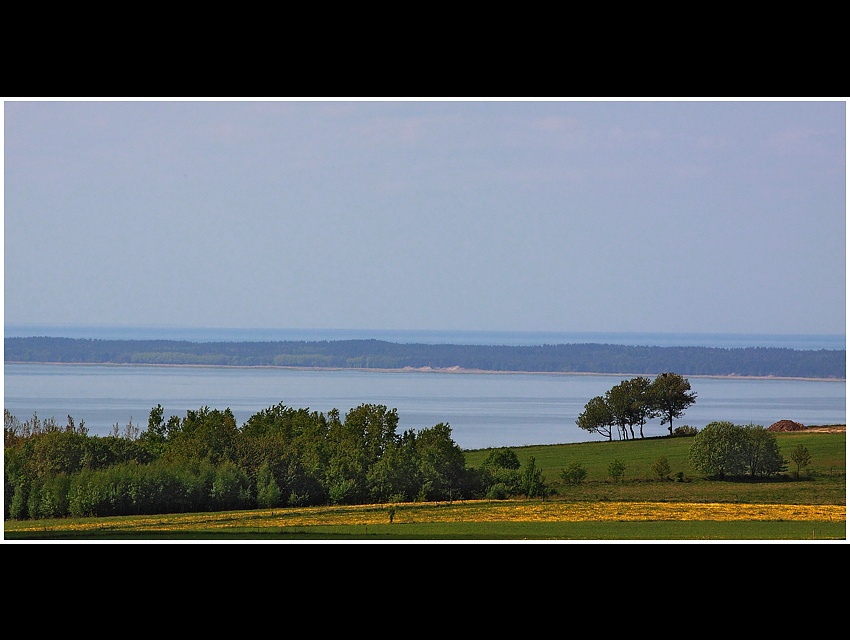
(790, 425)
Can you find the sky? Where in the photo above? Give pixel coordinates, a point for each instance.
(600, 215)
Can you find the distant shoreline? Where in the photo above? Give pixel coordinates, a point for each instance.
(446, 370)
(477, 337)
(767, 362)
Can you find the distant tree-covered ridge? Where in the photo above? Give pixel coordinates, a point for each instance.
(378, 354)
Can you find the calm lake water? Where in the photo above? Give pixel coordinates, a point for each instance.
(483, 410)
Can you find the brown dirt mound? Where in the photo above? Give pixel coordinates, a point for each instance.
(786, 425)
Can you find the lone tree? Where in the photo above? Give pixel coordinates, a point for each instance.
(801, 457)
(671, 394)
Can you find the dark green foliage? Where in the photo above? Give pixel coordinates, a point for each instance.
(670, 395)
(575, 473)
(48, 497)
(717, 450)
(594, 358)
(204, 462)
(685, 430)
(761, 452)
(230, 489)
(634, 401)
(723, 449)
(442, 464)
(500, 475)
(532, 482)
(630, 404)
(597, 417)
(801, 457)
(504, 458)
(617, 469)
(499, 491)
(205, 434)
(161, 487)
(661, 468)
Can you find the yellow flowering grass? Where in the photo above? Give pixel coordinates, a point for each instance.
(467, 511)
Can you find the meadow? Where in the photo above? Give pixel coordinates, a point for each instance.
(640, 506)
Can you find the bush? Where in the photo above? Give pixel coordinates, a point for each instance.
(661, 468)
(685, 430)
(617, 469)
(497, 491)
(533, 482)
(574, 474)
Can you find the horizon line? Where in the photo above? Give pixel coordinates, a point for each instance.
(180, 327)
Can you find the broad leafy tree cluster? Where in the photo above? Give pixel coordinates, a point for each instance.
(633, 402)
(725, 450)
(503, 476)
(204, 461)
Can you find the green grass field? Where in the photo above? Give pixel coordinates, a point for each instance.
(638, 508)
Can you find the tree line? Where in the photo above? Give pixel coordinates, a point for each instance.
(378, 354)
(281, 456)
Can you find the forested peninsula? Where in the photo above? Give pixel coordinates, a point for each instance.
(378, 354)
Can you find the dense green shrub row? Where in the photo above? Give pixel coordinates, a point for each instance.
(203, 462)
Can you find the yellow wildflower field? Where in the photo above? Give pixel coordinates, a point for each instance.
(467, 511)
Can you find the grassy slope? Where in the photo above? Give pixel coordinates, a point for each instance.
(825, 484)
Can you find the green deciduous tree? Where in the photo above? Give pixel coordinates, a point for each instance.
(761, 452)
(442, 464)
(671, 394)
(156, 435)
(268, 493)
(395, 477)
(532, 482)
(597, 418)
(801, 457)
(724, 449)
(630, 404)
(718, 450)
(205, 434)
(643, 407)
(619, 401)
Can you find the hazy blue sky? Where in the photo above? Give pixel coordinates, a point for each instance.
(523, 215)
